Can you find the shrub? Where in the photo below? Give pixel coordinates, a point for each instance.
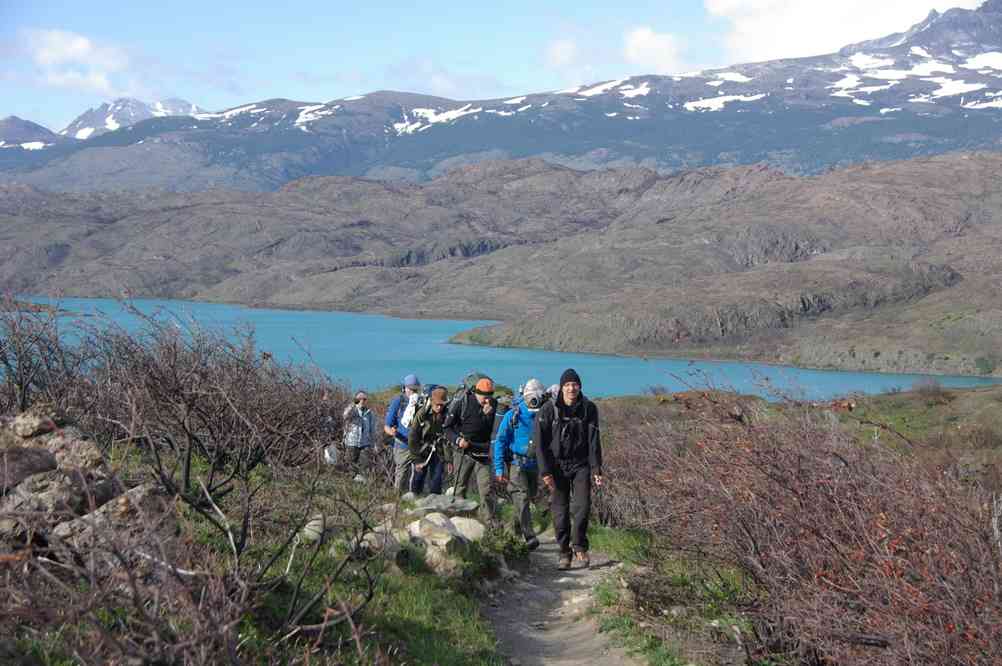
(230, 438)
(857, 555)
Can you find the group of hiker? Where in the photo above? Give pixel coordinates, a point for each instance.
(549, 436)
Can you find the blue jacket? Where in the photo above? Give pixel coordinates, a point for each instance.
(513, 441)
(393, 414)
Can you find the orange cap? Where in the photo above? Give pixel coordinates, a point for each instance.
(485, 386)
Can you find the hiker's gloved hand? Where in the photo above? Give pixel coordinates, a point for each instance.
(548, 481)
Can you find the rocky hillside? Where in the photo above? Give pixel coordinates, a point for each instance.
(930, 89)
(881, 266)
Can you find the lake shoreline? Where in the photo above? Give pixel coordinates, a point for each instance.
(461, 339)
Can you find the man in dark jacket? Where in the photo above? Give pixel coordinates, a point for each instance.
(570, 459)
(470, 425)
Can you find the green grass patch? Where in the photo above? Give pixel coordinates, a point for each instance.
(632, 546)
(423, 619)
(628, 633)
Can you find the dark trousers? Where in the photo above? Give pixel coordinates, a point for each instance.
(570, 502)
(431, 474)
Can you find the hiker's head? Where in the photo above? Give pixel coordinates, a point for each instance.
(570, 386)
(439, 396)
(361, 398)
(484, 390)
(533, 394)
(411, 384)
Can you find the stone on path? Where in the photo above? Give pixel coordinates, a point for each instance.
(19, 463)
(451, 506)
(471, 528)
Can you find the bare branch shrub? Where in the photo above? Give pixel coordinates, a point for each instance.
(856, 554)
(237, 565)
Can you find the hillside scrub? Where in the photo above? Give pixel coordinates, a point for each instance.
(850, 551)
(228, 557)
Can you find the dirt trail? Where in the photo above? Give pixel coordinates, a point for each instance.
(540, 617)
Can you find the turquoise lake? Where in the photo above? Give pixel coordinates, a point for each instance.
(373, 351)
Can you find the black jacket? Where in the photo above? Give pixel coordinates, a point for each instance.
(470, 422)
(568, 438)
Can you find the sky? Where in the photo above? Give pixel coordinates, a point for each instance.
(59, 58)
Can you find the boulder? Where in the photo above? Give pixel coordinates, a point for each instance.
(382, 542)
(39, 419)
(18, 463)
(53, 497)
(442, 562)
(452, 506)
(437, 530)
(408, 497)
(72, 449)
(315, 529)
(139, 509)
(471, 528)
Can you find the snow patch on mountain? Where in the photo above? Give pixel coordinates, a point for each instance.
(922, 69)
(734, 77)
(110, 123)
(887, 110)
(718, 103)
(84, 133)
(630, 91)
(993, 104)
(34, 145)
(867, 61)
(307, 114)
(919, 51)
(515, 100)
(601, 88)
(951, 87)
(990, 60)
(429, 117)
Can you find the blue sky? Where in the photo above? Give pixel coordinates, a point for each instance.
(59, 58)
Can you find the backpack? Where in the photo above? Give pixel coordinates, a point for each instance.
(458, 401)
(563, 429)
(414, 404)
(406, 413)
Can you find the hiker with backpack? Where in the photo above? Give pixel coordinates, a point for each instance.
(515, 463)
(359, 432)
(396, 427)
(469, 423)
(428, 444)
(569, 452)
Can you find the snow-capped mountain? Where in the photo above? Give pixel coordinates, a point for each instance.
(19, 133)
(124, 112)
(933, 88)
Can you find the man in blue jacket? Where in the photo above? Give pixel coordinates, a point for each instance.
(399, 432)
(514, 445)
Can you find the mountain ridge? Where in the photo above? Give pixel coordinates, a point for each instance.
(934, 88)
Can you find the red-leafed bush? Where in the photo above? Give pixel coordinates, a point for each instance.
(856, 554)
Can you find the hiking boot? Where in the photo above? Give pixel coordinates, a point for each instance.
(564, 562)
(582, 557)
(532, 544)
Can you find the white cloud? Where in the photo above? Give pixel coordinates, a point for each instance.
(770, 29)
(70, 60)
(656, 53)
(561, 52)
